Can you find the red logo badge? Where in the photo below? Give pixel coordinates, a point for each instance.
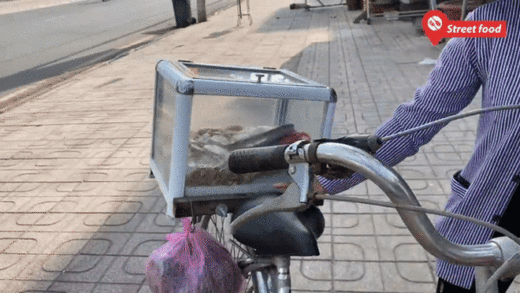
(436, 25)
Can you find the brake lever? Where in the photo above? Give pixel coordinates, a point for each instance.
(300, 169)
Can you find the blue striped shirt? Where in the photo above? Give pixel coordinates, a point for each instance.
(464, 66)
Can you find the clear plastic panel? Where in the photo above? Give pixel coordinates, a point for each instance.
(220, 124)
(249, 75)
(164, 117)
(222, 112)
(307, 115)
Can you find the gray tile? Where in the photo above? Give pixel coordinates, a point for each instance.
(349, 208)
(311, 276)
(72, 287)
(13, 265)
(145, 289)
(157, 223)
(407, 277)
(358, 276)
(143, 244)
(126, 270)
(109, 288)
(389, 224)
(37, 271)
(401, 248)
(86, 268)
(355, 248)
(353, 225)
(11, 286)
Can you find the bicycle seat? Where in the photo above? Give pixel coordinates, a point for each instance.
(282, 233)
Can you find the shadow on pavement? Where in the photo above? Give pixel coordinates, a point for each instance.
(53, 69)
(46, 71)
(301, 20)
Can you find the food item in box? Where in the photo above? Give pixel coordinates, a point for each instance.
(209, 150)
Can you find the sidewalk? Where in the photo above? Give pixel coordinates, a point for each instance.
(78, 213)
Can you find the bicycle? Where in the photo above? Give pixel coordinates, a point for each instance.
(269, 269)
(255, 205)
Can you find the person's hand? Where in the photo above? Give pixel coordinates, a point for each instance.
(318, 188)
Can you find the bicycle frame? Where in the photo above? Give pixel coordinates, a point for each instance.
(498, 253)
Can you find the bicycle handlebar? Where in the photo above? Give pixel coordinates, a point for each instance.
(258, 159)
(392, 184)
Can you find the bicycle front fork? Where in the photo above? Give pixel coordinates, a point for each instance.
(275, 279)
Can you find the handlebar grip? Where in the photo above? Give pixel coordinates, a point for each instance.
(258, 159)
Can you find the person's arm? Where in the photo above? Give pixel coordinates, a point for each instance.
(450, 87)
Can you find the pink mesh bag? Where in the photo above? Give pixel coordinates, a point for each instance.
(193, 262)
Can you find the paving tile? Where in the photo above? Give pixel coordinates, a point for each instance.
(22, 244)
(10, 265)
(67, 223)
(73, 243)
(349, 208)
(108, 288)
(407, 277)
(71, 287)
(118, 222)
(127, 270)
(401, 248)
(417, 159)
(102, 204)
(39, 269)
(358, 276)
(311, 275)
(352, 225)
(24, 286)
(515, 287)
(145, 289)
(325, 249)
(416, 172)
(446, 171)
(355, 248)
(13, 265)
(143, 244)
(445, 184)
(84, 268)
(389, 224)
(425, 187)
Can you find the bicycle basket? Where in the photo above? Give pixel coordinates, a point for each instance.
(202, 112)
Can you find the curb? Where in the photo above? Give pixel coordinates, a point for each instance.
(32, 91)
(16, 99)
(29, 92)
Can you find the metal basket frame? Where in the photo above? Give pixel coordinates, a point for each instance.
(196, 200)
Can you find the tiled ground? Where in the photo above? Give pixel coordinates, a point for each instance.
(78, 213)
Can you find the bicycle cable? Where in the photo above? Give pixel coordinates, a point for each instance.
(421, 209)
(448, 119)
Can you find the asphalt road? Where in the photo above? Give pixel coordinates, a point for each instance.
(42, 43)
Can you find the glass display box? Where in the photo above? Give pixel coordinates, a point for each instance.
(202, 112)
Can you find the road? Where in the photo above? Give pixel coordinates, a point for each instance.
(42, 43)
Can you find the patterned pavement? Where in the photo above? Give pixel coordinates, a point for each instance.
(79, 214)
